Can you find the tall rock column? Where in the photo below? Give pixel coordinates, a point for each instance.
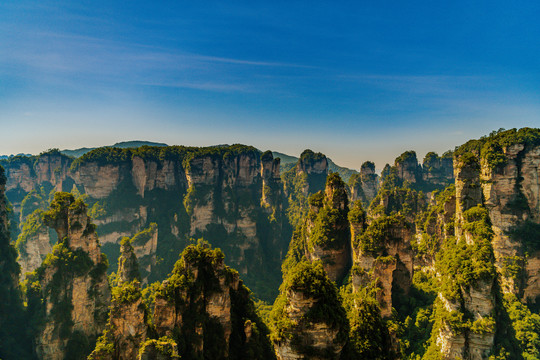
(127, 327)
(314, 166)
(465, 306)
(69, 294)
(327, 229)
(308, 319)
(205, 309)
(364, 186)
(271, 180)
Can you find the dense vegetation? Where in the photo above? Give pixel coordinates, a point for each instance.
(198, 274)
(311, 281)
(453, 256)
(491, 148)
(15, 342)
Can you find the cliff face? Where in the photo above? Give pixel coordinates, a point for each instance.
(230, 195)
(127, 326)
(511, 194)
(205, 307)
(382, 253)
(69, 294)
(34, 242)
(25, 174)
(467, 292)
(308, 320)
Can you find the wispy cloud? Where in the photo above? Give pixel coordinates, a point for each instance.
(66, 55)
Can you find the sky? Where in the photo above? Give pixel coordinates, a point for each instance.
(358, 80)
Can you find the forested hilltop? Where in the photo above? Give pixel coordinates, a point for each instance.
(431, 260)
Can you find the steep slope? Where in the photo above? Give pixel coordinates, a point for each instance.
(14, 341)
(127, 326)
(230, 195)
(325, 234)
(68, 295)
(205, 308)
(308, 320)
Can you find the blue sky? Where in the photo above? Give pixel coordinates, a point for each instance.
(363, 80)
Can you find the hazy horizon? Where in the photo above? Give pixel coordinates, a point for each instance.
(354, 81)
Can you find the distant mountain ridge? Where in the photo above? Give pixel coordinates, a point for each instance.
(124, 144)
(3, 157)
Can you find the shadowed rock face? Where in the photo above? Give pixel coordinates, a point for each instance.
(408, 168)
(315, 167)
(14, 336)
(391, 264)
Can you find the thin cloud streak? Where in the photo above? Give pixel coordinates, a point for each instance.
(45, 55)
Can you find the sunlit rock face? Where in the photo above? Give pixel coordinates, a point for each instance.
(230, 195)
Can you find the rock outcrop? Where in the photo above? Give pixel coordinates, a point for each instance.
(69, 294)
(364, 186)
(383, 254)
(230, 195)
(128, 267)
(437, 170)
(408, 168)
(127, 326)
(34, 242)
(143, 248)
(314, 166)
(308, 319)
(327, 229)
(205, 307)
